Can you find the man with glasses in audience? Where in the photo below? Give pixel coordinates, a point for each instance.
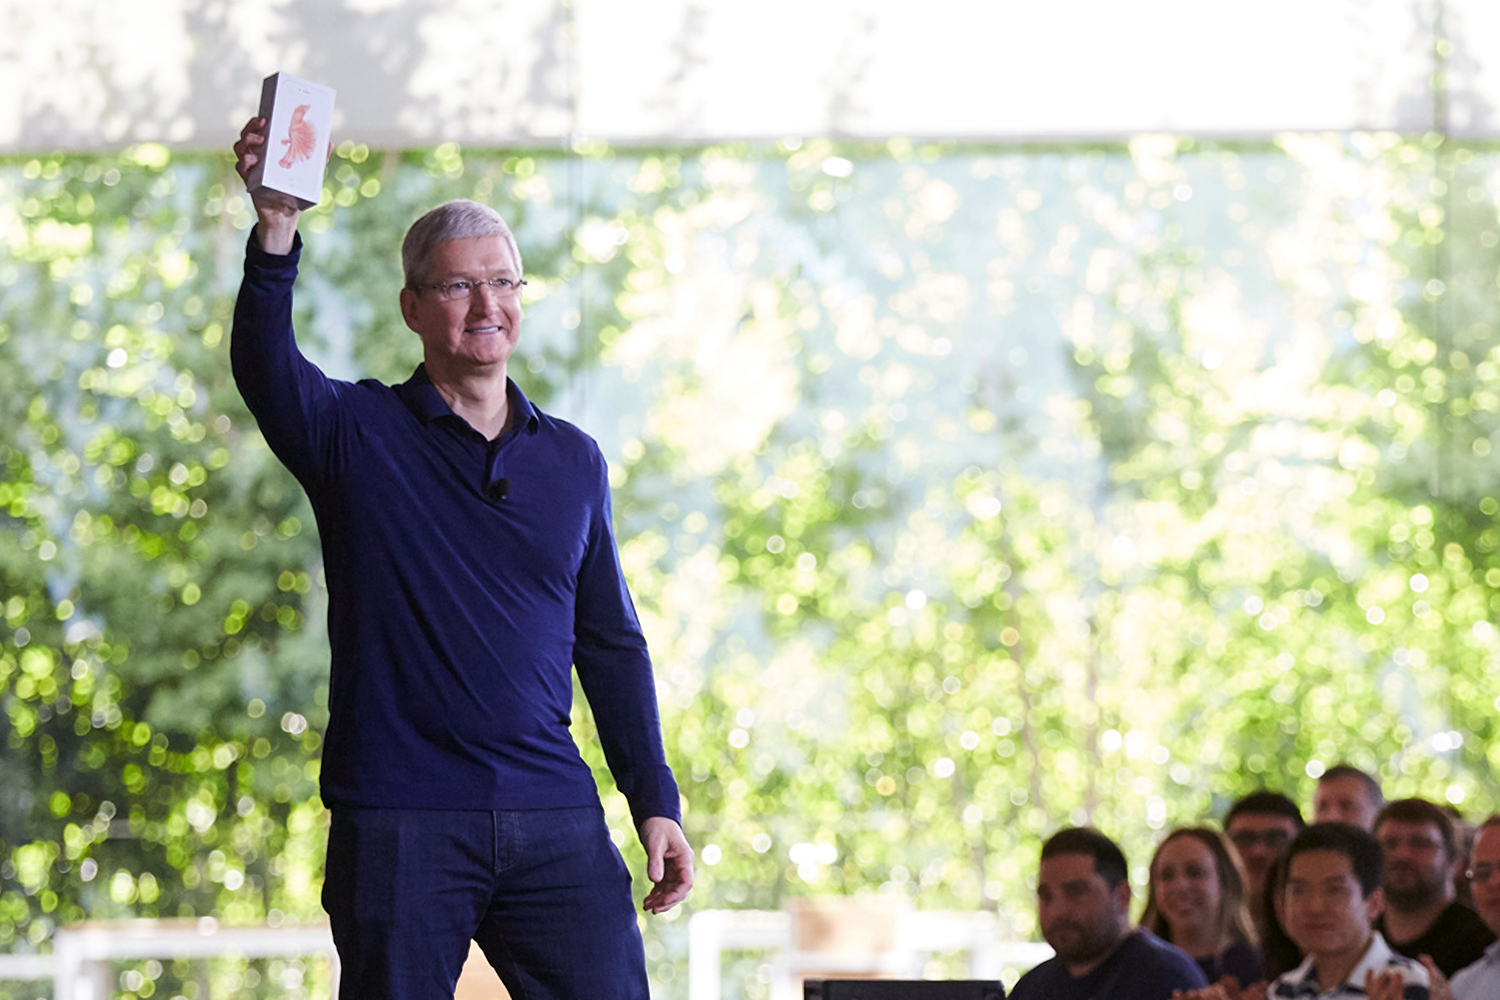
(1260, 825)
(1422, 917)
(471, 567)
(1481, 980)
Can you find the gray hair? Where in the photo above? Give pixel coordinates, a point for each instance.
(454, 220)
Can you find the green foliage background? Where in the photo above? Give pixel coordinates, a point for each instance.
(964, 492)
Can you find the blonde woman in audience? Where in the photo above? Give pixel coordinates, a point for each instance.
(1197, 902)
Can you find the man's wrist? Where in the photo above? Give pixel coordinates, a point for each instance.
(660, 813)
(278, 237)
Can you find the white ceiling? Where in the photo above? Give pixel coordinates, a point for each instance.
(78, 74)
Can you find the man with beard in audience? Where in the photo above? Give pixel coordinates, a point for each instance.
(1083, 905)
(1422, 917)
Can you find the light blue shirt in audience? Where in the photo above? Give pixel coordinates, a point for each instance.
(1480, 980)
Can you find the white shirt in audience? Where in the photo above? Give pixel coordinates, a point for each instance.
(1303, 981)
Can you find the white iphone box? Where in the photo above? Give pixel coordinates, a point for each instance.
(298, 140)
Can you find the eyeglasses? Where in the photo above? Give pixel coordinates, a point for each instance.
(452, 291)
(1420, 845)
(1482, 873)
(1249, 838)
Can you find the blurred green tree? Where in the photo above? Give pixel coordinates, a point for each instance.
(965, 493)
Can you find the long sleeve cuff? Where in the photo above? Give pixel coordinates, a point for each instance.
(658, 796)
(271, 264)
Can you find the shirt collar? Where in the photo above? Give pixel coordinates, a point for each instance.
(1375, 958)
(427, 404)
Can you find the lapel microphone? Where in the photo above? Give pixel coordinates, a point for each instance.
(498, 490)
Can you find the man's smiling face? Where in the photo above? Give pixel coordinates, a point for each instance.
(1328, 914)
(471, 334)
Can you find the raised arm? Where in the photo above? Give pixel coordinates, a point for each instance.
(276, 213)
(293, 402)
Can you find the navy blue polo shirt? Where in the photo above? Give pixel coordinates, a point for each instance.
(455, 617)
(1143, 967)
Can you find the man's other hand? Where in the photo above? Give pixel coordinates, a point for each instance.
(1228, 988)
(276, 212)
(669, 864)
(1387, 984)
(1438, 985)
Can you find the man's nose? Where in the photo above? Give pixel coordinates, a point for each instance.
(479, 298)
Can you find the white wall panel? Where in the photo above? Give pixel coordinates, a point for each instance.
(1069, 68)
(84, 73)
(1472, 66)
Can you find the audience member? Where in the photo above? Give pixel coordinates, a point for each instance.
(1464, 833)
(1083, 905)
(1260, 825)
(1482, 979)
(1346, 794)
(1333, 899)
(1422, 917)
(1280, 952)
(1197, 902)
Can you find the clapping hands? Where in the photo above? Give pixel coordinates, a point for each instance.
(1387, 984)
(1437, 983)
(1227, 988)
(1390, 984)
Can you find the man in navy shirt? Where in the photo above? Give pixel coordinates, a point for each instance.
(471, 566)
(1083, 905)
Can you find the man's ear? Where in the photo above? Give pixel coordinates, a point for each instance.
(409, 308)
(1375, 905)
(1122, 898)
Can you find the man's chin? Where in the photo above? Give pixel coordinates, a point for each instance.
(1075, 951)
(1063, 944)
(1411, 899)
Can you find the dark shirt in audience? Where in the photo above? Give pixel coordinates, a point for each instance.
(1143, 967)
(1240, 960)
(1457, 938)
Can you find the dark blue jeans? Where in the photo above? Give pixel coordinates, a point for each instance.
(543, 892)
